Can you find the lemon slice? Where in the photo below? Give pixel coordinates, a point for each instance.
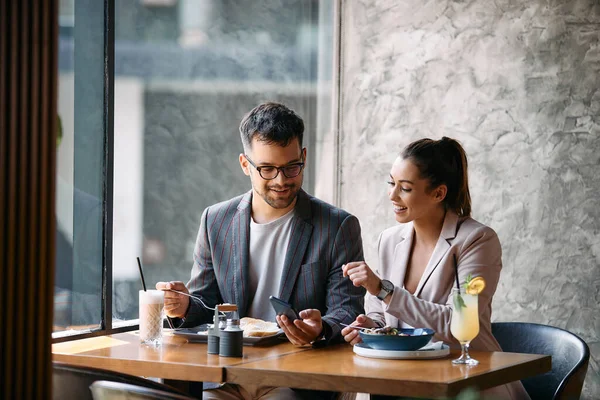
(476, 285)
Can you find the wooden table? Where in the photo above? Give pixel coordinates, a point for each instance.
(334, 368)
(176, 359)
(337, 368)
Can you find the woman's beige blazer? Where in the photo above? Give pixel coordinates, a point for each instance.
(477, 251)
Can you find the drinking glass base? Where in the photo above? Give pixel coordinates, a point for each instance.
(152, 342)
(465, 361)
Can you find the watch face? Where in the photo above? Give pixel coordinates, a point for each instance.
(387, 285)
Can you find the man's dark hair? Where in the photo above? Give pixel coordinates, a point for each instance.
(271, 123)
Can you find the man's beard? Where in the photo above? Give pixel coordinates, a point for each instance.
(277, 202)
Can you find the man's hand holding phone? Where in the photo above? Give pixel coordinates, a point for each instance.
(298, 331)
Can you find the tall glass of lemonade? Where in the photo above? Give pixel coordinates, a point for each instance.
(465, 323)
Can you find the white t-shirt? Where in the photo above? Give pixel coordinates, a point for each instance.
(268, 247)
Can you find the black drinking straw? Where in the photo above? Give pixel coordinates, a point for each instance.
(142, 274)
(455, 273)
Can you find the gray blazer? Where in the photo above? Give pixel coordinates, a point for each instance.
(477, 251)
(323, 239)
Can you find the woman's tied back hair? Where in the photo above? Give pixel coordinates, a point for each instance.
(443, 162)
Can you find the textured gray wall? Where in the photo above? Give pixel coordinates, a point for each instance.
(517, 83)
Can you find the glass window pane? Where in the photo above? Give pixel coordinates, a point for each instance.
(80, 166)
(185, 74)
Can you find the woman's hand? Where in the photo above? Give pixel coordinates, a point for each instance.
(361, 275)
(351, 335)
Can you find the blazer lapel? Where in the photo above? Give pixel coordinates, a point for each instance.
(400, 259)
(241, 243)
(441, 248)
(401, 256)
(301, 233)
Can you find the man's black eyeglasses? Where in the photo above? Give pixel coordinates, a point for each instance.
(269, 172)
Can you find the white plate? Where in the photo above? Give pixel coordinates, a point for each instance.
(424, 353)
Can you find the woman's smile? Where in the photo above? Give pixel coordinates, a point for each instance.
(399, 209)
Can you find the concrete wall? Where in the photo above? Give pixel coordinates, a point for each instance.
(517, 82)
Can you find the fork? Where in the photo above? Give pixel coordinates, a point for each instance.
(193, 297)
(362, 328)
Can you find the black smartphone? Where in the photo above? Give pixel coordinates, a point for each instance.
(283, 308)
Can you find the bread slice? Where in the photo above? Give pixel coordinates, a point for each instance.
(254, 327)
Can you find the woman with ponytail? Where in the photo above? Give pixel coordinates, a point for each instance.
(429, 192)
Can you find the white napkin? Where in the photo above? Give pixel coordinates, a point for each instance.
(432, 346)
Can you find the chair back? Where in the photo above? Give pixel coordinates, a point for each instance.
(73, 382)
(570, 357)
(106, 390)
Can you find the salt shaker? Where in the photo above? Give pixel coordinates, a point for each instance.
(231, 339)
(214, 337)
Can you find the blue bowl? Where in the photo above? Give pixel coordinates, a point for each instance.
(417, 338)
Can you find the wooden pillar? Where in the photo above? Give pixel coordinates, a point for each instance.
(28, 124)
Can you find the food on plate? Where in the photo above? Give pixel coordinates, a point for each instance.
(388, 330)
(254, 327)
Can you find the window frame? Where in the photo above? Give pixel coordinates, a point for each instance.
(106, 324)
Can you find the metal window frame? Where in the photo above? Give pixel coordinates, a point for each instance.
(337, 106)
(109, 140)
(106, 325)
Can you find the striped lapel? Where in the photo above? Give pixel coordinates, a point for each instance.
(301, 233)
(241, 243)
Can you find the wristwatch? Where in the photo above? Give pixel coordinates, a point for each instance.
(387, 287)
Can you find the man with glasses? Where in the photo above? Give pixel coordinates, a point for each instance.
(273, 240)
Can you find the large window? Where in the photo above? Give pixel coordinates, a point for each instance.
(151, 95)
(81, 168)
